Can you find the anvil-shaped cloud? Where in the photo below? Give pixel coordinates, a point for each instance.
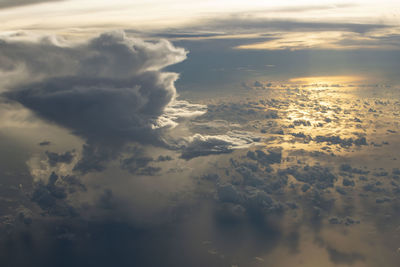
(107, 89)
(110, 90)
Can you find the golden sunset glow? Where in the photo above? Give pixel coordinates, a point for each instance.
(328, 80)
(209, 133)
(73, 16)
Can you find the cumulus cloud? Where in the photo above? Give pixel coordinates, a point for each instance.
(109, 90)
(112, 55)
(343, 142)
(273, 156)
(111, 86)
(238, 201)
(317, 176)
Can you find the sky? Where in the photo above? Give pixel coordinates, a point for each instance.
(326, 20)
(199, 133)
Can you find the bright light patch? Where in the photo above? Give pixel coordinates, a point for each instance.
(327, 80)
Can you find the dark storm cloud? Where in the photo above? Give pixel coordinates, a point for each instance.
(100, 109)
(109, 90)
(17, 3)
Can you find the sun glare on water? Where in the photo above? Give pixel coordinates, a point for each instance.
(327, 81)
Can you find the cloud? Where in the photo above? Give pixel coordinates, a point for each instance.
(178, 110)
(276, 34)
(138, 164)
(44, 143)
(257, 30)
(348, 168)
(347, 221)
(237, 24)
(109, 90)
(348, 182)
(55, 158)
(203, 145)
(245, 23)
(52, 198)
(317, 176)
(109, 55)
(343, 142)
(110, 86)
(341, 39)
(273, 156)
(100, 109)
(375, 41)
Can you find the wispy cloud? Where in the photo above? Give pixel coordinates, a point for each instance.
(262, 33)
